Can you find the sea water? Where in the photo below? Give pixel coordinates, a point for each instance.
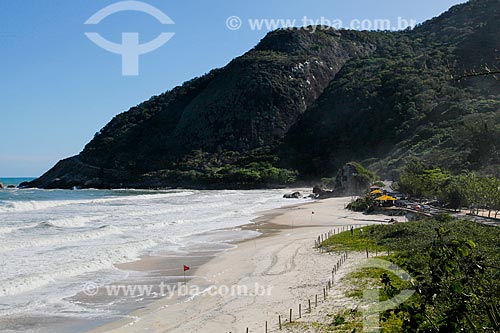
(14, 181)
(53, 242)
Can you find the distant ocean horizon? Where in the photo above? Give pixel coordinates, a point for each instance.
(15, 180)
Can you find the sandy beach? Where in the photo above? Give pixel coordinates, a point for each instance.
(280, 269)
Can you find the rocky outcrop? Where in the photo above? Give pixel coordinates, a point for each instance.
(1, 186)
(353, 179)
(294, 195)
(322, 193)
(72, 172)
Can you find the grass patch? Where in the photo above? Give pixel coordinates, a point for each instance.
(345, 321)
(371, 278)
(347, 241)
(365, 278)
(411, 238)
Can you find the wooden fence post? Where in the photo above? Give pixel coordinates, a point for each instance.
(316, 301)
(291, 316)
(309, 300)
(279, 321)
(300, 310)
(266, 326)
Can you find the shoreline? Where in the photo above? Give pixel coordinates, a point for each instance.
(158, 232)
(282, 258)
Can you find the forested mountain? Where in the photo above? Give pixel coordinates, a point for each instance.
(404, 101)
(301, 104)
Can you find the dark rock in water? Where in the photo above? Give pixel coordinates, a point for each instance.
(1, 185)
(11, 186)
(294, 195)
(321, 193)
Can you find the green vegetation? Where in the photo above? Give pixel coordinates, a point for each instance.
(362, 175)
(464, 190)
(346, 321)
(245, 176)
(345, 241)
(402, 102)
(352, 179)
(456, 270)
(370, 278)
(362, 204)
(389, 285)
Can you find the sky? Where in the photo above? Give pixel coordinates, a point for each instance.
(58, 88)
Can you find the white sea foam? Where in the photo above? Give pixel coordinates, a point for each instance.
(103, 258)
(6, 230)
(72, 222)
(24, 206)
(55, 241)
(52, 242)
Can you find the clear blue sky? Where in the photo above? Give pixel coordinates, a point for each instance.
(57, 88)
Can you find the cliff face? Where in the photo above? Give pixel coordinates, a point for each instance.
(301, 104)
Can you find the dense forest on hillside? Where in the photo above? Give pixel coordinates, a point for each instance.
(299, 105)
(404, 101)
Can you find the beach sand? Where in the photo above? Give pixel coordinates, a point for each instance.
(280, 269)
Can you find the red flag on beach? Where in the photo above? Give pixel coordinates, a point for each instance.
(186, 268)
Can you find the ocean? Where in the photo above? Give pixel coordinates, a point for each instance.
(14, 181)
(53, 242)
